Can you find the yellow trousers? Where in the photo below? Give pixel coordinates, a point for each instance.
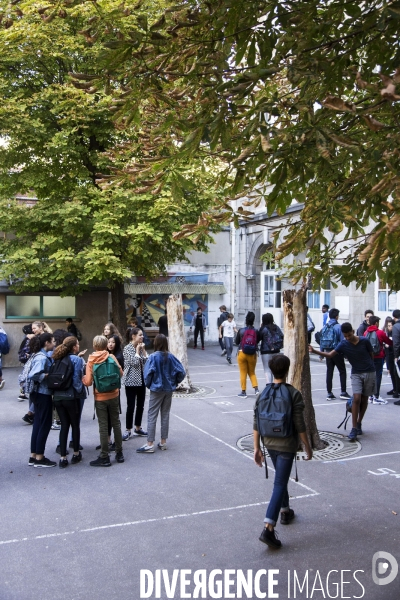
(247, 366)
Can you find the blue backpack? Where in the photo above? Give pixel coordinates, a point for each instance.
(4, 345)
(273, 339)
(349, 410)
(329, 337)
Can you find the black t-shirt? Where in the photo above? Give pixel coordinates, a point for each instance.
(358, 355)
(199, 322)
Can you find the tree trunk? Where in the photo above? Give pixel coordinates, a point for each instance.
(296, 348)
(118, 307)
(177, 337)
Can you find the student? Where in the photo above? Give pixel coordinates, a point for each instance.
(4, 349)
(106, 403)
(364, 325)
(389, 357)
(222, 317)
(163, 372)
(68, 402)
(110, 329)
(163, 324)
(200, 325)
(41, 399)
(71, 327)
(359, 353)
(325, 315)
(227, 329)
(114, 347)
(135, 357)
(269, 333)
(333, 327)
(247, 361)
(282, 452)
(37, 328)
(396, 348)
(378, 357)
(310, 326)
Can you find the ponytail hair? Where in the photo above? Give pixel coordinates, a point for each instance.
(130, 332)
(65, 348)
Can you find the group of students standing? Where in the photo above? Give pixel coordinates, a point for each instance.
(57, 376)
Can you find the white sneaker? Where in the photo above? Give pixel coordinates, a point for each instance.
(223, 353)
(2, 382)
(379, 401)
(370, 399)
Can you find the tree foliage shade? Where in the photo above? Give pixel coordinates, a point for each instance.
(61, 144)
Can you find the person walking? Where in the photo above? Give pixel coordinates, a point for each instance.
(331, 335)
(247, 339)
(227, 330)
(200, 325)
(163, 372)
(135, 357)
(396, 349)
(282, 452)
(222, 317)
(379, 355)
(359, 353)
(389, 357)
(325, 314)
(68, 402)
(41, 398)
(271, 338)
(106, 402)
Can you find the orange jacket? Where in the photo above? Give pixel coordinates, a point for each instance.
(96, 358)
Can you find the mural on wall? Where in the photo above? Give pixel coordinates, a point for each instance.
(148, 308)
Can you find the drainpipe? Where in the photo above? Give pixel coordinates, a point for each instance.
(233, 266)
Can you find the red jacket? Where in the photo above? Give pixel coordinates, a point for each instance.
(382, 337)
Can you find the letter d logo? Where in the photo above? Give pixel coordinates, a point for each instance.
(380, 568)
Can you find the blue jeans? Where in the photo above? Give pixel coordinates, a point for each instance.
(42, 421)
(229, 346)
(282, 462)
(378, 362)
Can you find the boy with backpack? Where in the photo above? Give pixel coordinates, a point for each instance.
(331, 335)
(377, 337)
(105, 373)
(279, 423)
(359, 353)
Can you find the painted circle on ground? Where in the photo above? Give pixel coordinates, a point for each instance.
(338, 446)
(197, 392)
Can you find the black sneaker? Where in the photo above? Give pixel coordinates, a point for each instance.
(28, 419)
(44, 463)
(229, 360)
(395, 395)
(330, 396)
(76, 458)
(119, 457)
(270, 538)
(390, 393)
(101, 462)
(139, 432)
(397, 402)
(22, 397)
(111, 446)
(242, 394)
(71, 445)
(287, 517)
(344, 396)
(31, 461)
(63, 463)
(58, 450)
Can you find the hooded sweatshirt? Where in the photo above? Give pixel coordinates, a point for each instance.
(382, 337)
(95, 359)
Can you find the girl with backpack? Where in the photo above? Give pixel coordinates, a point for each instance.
(135, 357)
(247, 339)
(41, 398)
(271, 337)
(69, 401)
(163, 372)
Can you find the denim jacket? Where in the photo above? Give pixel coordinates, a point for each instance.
(163, 372)
(40, 365)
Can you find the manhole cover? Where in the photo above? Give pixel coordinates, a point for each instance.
(338, 446)
(197, 392)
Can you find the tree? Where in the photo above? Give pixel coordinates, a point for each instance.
(314, 115)
(60, 143)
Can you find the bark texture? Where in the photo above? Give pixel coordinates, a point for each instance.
(177, 337)
(118, 307)
(296, 348)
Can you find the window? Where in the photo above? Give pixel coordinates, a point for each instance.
(272, 291)
(386, 298)
(41, 307)
(313, 299)
(322, 296)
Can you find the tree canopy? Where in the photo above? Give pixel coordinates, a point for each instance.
(59, 144)
(293, 101)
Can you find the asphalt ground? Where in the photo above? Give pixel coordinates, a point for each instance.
(86, 533)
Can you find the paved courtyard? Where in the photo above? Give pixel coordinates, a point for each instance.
(85, 533)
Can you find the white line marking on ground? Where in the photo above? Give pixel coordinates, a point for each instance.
(360, 457)
(239, 451)
(143, 521)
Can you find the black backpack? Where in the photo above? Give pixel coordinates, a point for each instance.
(273, 411)
(60, 374)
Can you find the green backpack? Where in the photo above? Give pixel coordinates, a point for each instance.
(106, 376)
